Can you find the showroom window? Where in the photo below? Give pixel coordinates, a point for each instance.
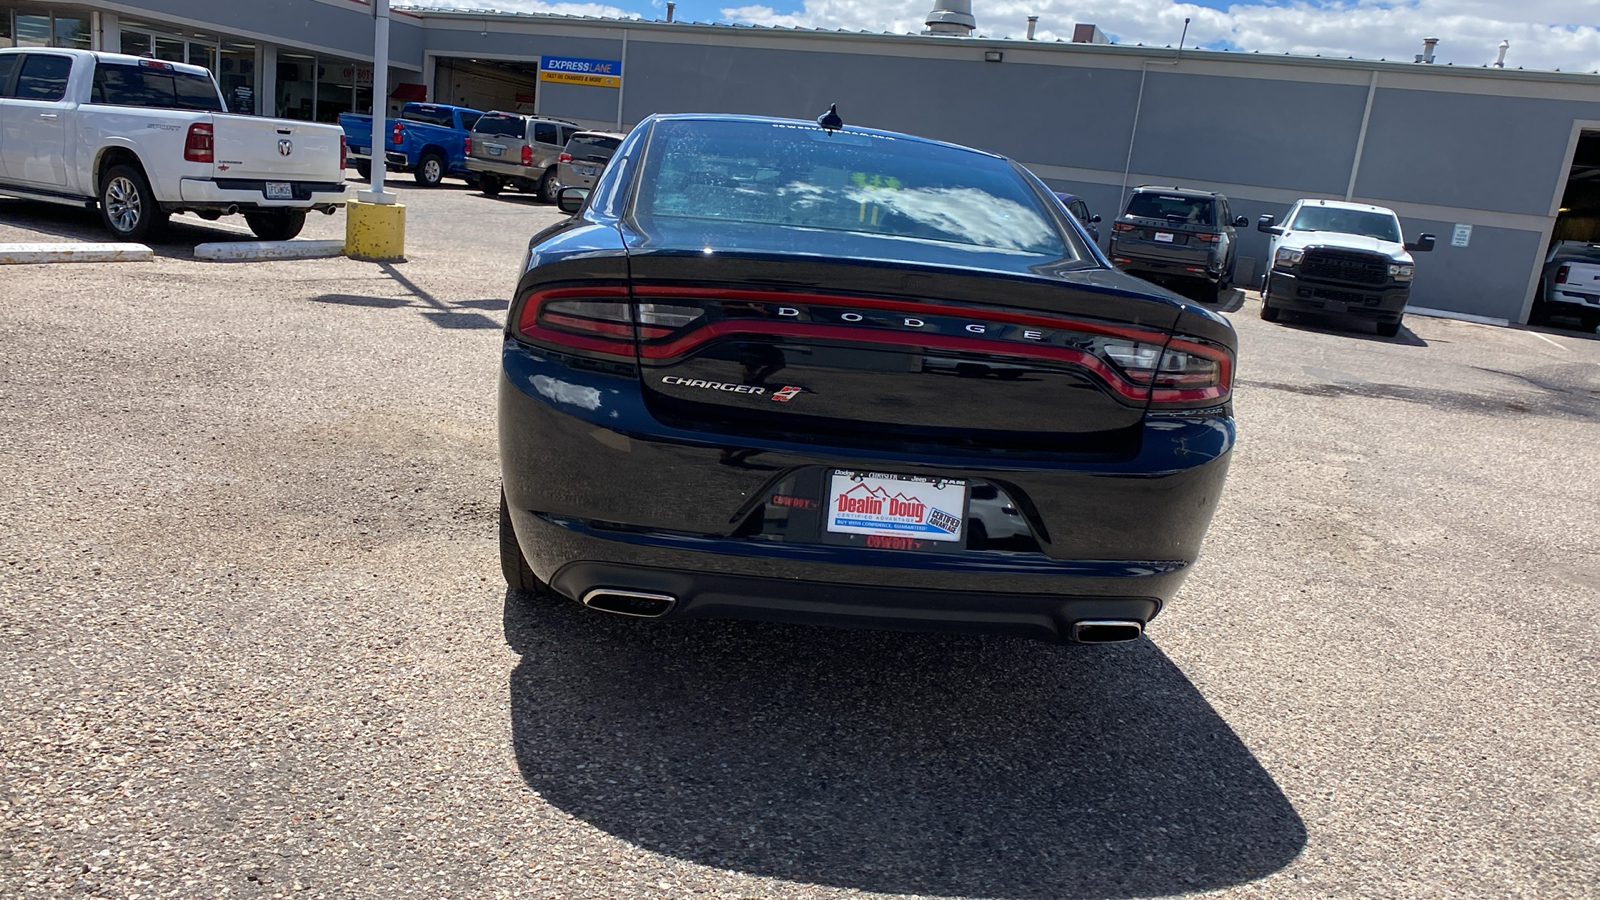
(35, 27)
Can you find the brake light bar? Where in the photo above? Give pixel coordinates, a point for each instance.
(199, 144)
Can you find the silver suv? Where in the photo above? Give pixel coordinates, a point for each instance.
(510, 150)
(585, 157)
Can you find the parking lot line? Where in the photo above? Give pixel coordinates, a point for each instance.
(1548, 341)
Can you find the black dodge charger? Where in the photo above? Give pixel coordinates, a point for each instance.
(800, 372)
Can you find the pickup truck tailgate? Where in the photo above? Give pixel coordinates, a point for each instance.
(278, 150)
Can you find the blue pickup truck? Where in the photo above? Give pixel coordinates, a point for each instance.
(429, 139)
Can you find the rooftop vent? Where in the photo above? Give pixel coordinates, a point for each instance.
(951, 17)
(1089, 34)
(1426, 56)
(1500, 61)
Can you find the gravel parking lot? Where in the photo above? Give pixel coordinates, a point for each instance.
(254, 639)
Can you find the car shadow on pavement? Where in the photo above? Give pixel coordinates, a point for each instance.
(174, 240)
(924, 764)
(1330, 324)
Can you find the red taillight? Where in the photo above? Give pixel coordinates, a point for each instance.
(1122, 227)
(527, 155)
(564, 157)
(344, 154)
(598, 320)
(466, 146)
(1207, 238)
(398, 136)
(1189, 371)
(198, 146)
(1561, 274)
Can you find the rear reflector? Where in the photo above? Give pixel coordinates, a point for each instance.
(197, 147)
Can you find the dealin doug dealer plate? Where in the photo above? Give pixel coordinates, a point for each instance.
(911, 508)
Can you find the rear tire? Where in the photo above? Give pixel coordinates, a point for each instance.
(430, 170)
(1591, 320)
(276, 224)
(1388, 329)
(364, 169)
(128, 207)
(548, 186)
(490, 185)
(513, 565)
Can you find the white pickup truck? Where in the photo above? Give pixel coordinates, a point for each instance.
(142, 139)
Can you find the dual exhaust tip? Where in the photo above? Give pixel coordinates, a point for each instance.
(651, 605)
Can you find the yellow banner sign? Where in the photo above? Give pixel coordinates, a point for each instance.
(610, 81)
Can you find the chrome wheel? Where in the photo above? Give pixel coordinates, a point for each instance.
(124, 206)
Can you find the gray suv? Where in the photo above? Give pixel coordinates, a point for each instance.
(1178, 235)
(585, 157)
(510, 150)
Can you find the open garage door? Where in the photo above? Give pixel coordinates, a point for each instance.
(487, 84)
(1568, 295)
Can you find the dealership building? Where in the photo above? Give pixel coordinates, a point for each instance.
(1497, 162)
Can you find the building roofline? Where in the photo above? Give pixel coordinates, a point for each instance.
(1009, 43)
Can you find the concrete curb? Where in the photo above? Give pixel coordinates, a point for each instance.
(247, 250)
(24, 254)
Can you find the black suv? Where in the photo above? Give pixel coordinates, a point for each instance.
(1176, 234)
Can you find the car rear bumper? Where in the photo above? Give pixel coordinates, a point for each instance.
(1385, 304)
(206, 193)
(602, 495)
(1136, 263)
(503, 169)
(1574, 298)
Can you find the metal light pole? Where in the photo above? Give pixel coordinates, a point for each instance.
(380, 104)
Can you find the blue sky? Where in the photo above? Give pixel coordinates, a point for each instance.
(1543, 34)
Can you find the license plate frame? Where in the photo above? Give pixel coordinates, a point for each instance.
(888, 511)
(279, 190)
(496, 149)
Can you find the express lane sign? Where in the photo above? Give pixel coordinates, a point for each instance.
(574, 70)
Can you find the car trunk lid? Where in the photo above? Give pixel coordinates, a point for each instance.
(248, 147)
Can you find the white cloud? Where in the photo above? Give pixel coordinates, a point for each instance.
(1544, 34)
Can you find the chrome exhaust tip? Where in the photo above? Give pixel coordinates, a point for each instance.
(639, 604)
(231, 211)
(1107, 631)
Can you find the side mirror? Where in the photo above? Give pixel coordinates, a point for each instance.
(1423, 244)
(571, 199)
(1265, 223)
(1094, 220)
(1241, 222)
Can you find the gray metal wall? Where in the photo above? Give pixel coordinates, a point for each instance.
(340, 28)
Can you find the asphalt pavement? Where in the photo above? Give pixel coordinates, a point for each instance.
(254, 641)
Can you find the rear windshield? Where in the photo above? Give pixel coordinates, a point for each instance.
(593, 147)
(1347, 221)
(430, 115)
(781, 173)
(1174, 208)
(120, 84)
(509, 126)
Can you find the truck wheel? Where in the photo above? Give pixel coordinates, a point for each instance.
(430, 170)
(548, 186)
(128, 207)
(364, 169)
(1388, 329)
(1591, 320)
(276, 224)
(490, 185)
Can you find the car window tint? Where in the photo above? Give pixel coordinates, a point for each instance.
(1079, 210)
(469, 119)
(509, 126)
(544, 132)
(428, 115)
(1172, 207)
(785, 174)
(8, 67)
(566, 135)
(1382, 226)
(43, 77)
(118, 84)
(593, 147)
